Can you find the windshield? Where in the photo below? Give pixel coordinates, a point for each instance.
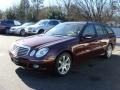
(42, 22)
(65, 29)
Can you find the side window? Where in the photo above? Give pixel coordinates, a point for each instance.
(99, 30)
(109, 30)
(53, 22)
(89, 31)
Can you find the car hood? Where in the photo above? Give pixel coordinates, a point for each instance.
(42, 40)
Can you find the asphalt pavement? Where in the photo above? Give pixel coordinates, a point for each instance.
(93, 74)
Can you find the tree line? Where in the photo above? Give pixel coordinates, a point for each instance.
(66, 10)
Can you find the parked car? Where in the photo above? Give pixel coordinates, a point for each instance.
(63, 45)
(42, 26)
(5, 25)
(20, 29)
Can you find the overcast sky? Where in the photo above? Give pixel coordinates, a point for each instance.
(4, 4)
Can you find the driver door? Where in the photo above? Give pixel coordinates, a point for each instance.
(88, 43)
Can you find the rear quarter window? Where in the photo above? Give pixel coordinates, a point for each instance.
(109, 30)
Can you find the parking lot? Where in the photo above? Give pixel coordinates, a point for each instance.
(93, 74)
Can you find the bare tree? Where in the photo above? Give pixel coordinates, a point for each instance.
(74, 14)
(95, 10)
(37, 4)
(1, 14)
(65, 5)
(24, 6)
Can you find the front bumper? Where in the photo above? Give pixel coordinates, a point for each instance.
(31, 32)
(28, 63)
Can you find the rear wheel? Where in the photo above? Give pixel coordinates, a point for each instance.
(63, 64)
(22, 33)
(108, 51)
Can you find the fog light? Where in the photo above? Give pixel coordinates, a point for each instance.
(35, 66)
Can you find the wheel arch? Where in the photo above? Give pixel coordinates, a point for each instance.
(41, 29)
(66, 51)
(22, 29)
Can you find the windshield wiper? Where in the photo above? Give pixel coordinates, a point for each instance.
(59, 35)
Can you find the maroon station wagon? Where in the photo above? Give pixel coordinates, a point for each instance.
(64, 44)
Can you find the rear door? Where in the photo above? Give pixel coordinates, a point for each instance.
(102, 37)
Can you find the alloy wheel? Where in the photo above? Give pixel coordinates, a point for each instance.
(22, 33)
(63, 64)
(109, 51)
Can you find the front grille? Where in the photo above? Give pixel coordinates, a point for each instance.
(20, 50)
(29, 29)
(13, 29)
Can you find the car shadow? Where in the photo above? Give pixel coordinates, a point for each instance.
(90, 74)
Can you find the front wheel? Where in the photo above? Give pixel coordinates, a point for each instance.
(22, 33)
(41, 31)
(108, 51)
(63, 64)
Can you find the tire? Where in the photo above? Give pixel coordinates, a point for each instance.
(41, 31)
(22, 33)
(108, 51)
(63, 64)
(7, 31)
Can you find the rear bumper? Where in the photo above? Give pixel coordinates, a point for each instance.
(31, 33)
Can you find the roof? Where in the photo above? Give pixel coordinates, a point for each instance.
(81, 22)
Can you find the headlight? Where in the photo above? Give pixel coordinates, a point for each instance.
(19, 28)
(30, 28)
(32, 53)
(42, 52)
